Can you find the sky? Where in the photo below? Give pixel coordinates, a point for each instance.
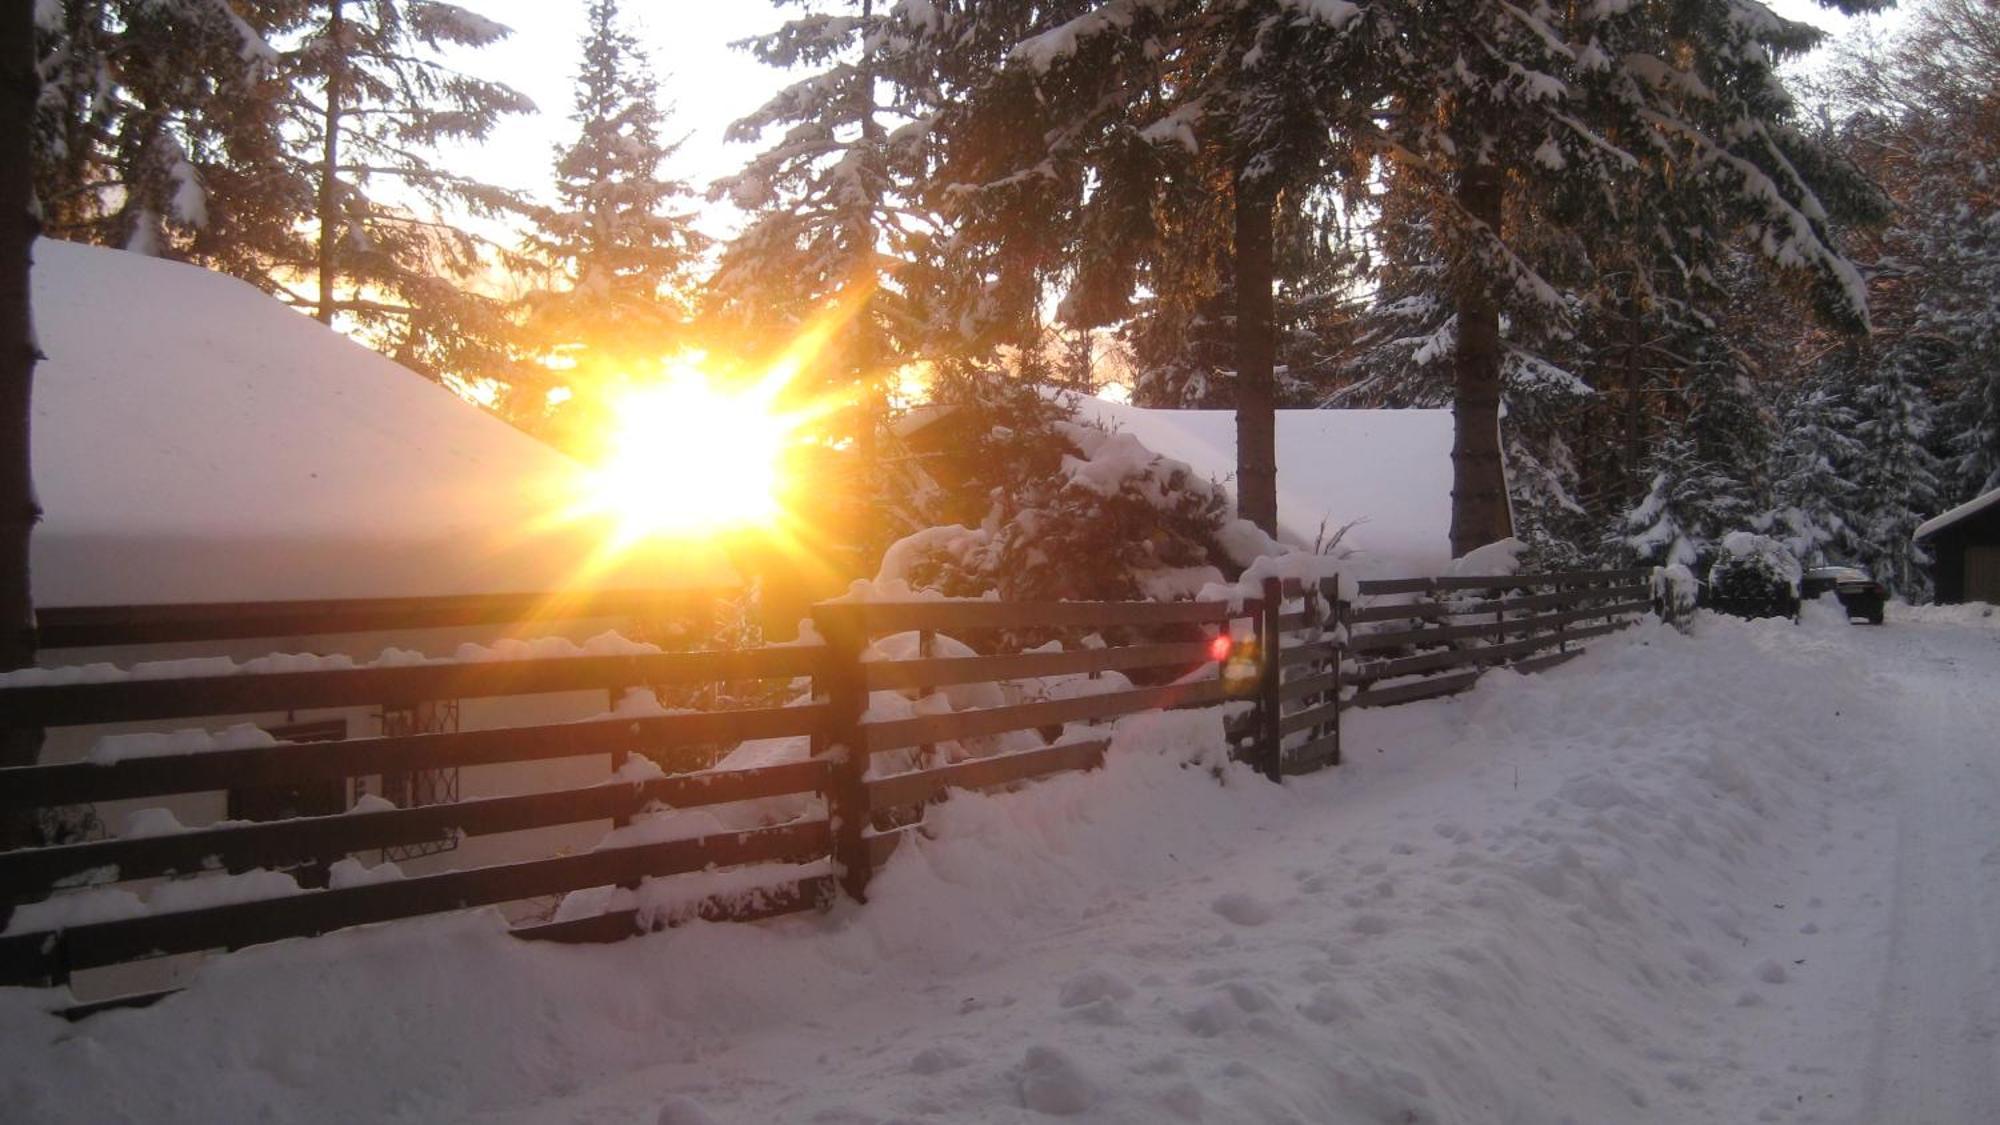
(710, 82)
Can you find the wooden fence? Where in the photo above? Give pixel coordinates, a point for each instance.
(862, 789)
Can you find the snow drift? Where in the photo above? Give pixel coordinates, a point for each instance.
(196, 441)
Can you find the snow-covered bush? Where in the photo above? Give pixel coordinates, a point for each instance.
(1072, 512)
(1754, 576)
(1675, 594)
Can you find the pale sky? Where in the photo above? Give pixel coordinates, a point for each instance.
(709, 82)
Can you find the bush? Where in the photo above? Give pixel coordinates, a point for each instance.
(1754, 576)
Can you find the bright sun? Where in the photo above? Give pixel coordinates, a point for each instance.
(687, 458)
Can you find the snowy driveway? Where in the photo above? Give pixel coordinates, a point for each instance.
(1744, 876)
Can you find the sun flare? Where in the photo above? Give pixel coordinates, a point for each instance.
(686, 457)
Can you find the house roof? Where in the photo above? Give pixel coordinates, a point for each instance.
(196, 441)
(1963, 512)
(1387, 472)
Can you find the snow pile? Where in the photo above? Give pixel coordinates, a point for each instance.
(1623, 891)
(1494, 559)
(1752, 566)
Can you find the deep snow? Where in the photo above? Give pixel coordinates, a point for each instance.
(260, 456)
(1741, 876)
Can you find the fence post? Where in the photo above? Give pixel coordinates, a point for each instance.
(1336, 632)
(1269, 703)
(840, 744)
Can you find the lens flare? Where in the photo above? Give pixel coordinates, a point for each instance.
(686, 457)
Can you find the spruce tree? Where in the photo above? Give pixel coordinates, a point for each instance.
(372, 100)
(1659, 127)
(621, 239)
(1896, 475)
(1813, 498)
(159, 125)
(19, 511)
(1104, 148)
(832, 223)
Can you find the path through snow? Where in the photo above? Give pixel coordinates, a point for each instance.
(1936, 1039)
(1744, 876)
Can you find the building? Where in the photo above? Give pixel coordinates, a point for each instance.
(224, 479)
(1965, 546)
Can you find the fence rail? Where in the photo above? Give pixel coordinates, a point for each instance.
(859, 795)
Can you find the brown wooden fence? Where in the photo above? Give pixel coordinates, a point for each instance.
(1311, 656)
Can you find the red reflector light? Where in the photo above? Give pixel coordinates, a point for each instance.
(1220, 647)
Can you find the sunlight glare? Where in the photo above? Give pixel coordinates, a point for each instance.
(686, 457)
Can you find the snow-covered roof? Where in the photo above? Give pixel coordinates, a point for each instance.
(1390, 470)
(196, 441)
(1966, 510)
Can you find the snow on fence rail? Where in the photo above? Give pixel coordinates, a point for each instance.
(857, 792)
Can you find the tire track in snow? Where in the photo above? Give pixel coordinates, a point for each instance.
(1936, 1041)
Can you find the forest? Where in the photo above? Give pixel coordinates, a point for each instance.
(1677, 284)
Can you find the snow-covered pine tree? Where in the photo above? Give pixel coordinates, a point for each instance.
(832, 218)
(620, 241)
(1112, 146)
(372, 99)
(1896, 477)
(1667, 528)
(1706, 476)
(158, 124)
(1658, 122)
(1813, 500)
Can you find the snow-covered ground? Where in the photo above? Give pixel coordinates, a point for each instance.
(1749, 875)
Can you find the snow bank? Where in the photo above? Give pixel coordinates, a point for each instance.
(196, 441)
(1567, 897)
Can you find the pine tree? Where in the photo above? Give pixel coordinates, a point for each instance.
(371, 101)
(1813, 498)
(1666, 528)
(19, 511)
(1920, 114)
(281, 140)
(621, 237)
(158, 124)
(1657, 125)
(832, 222)
(1102, 148)
(1896, 477)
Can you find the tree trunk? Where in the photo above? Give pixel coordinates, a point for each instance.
(1256, 418)
(1479, 512)
(329, 164)
(19, 511)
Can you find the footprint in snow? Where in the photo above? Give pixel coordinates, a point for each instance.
(1242, 909)
(678, 1110)
(1328, 1006)
(1051, 1082)
(1225, 1010)
(1371, 925)
(1090, 986)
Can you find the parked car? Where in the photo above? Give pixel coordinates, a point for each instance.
(1860, 595)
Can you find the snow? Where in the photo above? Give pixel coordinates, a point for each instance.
(1736, 876)
(1966, 510)
(1501, 557)
(113, 748)
(194, 441)
(608, 643)
(1386, 472)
